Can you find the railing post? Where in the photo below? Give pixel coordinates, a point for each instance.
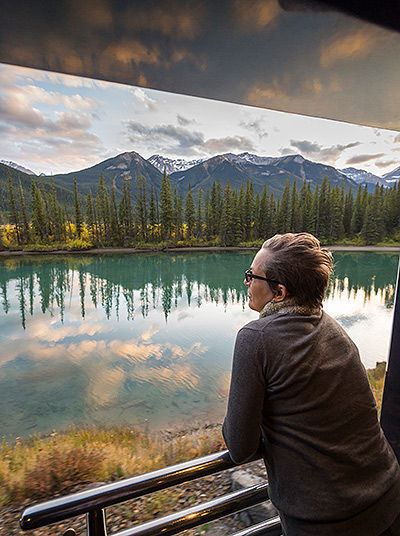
(96, 523)
(390, 414)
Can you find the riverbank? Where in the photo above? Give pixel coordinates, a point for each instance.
(120, 251)
(44, 467)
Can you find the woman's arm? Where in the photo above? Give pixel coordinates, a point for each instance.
(241, 427)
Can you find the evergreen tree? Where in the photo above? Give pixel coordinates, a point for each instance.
(24, 214)
(348, 212)
(189, 214)
(178, 214)
(141, 207)
(284, 216)
(103, 212)
(199, 213)
(125, 213)
(248, 209)
(324, 216)
(166, 207)
(38, 213)
(294, 210)
(114, 223)
(153, 212)
(14, 211)
(78, 215)
(90, 216)
(227, 234)
(336, 202)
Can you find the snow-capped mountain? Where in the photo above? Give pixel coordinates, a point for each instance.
(171, 165)
(360, 176)
(393, 176)
(17, 167)
(250, 158)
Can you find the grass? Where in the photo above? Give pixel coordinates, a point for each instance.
(42, 467)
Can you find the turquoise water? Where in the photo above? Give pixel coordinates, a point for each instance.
(147, 339)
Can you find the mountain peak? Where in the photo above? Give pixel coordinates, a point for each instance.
(9, 163)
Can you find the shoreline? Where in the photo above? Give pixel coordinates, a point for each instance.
(120, 251)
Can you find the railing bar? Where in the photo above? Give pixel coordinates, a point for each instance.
(96, 523)
(201, 513)
(270, 526)
(130, 488)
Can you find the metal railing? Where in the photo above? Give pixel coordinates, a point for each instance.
(93, 502)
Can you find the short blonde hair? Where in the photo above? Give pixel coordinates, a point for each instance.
(299, 263)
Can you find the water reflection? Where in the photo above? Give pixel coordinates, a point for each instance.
(129, 338)
(162, 280)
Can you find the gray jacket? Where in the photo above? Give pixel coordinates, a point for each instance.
(299, 388)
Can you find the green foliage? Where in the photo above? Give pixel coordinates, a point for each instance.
(216, 217)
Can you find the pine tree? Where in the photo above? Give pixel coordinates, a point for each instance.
(14, 211)
(284, 216)
(189, 214)
(24, 215)
(38, 213)
(141, 207)
(90, 216)
(78, 214)
(103, 212)
(348, 212)
(166, 207)
(324, 216)
(114, 228)
(227, 235)
(294, 210)
(360, 207)
(178, 214)
(153, 212)
(199, 213)
(248, 209)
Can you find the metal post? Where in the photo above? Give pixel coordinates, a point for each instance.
(390, 415)
(96, 523)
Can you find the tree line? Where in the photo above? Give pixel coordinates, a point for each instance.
(219, 215)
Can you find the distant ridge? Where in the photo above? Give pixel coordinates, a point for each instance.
(272, 172)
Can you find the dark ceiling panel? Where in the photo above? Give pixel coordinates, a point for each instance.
(294, 56)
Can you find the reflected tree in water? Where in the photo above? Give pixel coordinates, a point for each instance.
(154, 281)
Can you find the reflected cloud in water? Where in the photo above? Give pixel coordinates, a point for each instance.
(130, 338)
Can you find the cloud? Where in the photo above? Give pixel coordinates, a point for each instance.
(255, 14)
(359, 159)
(314, 150)
(256, 126)
(173, 19)
(230, 143)
(347, 47)
(166, 136)
(48, 126)
(131, 50)
(181, 140)
(183, 121)
(386, 163)
(141, 96)
(397, 138)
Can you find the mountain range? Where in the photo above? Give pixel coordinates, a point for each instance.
(272, 172)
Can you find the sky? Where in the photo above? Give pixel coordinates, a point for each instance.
(54, 123)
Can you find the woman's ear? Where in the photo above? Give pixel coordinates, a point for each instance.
(281, 293)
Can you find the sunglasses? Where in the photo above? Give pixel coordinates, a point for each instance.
(248, 275)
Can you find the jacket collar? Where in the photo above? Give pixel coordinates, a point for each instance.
(288, 307)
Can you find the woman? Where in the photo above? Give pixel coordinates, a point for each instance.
(300, 393)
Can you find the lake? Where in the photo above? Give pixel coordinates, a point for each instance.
(146, 339)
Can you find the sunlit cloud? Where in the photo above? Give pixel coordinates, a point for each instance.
(348, 47)
(361, 158)
(176, 20)
(255, 14)
(142, 97)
